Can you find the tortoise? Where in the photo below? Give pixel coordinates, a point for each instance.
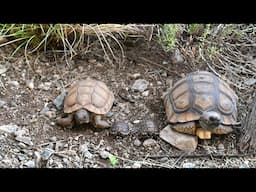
(201, 104)
(86, 102)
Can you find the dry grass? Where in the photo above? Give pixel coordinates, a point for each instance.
(68, 38)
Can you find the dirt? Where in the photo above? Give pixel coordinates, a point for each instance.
(27, 89)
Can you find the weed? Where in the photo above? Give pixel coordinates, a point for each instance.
(168, 36)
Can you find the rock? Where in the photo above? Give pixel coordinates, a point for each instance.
(2, 103)
(80, 69)
(59, 100)
(83, 149)
(37, 157)
(45, 86)
(135, 75)
(104, 154)
(140, 85)
(181, 141)
(46, 154)
(92, 61)
(30, 164)
(177, 57)
(52, 123)
(136, 121)
(44, 110)
(58, 146)
(3, 39)
(22, 145)
(159, 83)
(150, 127)
(53, 139)
(14, 83)
(137, 142)
(165, 62)
(10, 128)
(163, 74)
(109, 114)
(145, 93)
(3, 69)
(250, 81)
(221, 148)
(30, 84)
(21, 157)
(150, 143)
(120, 128)
(23, 139)
(245, 164)
(136, 165)
(21, 132)
(188, 165)
(50, 114)
(164, 159)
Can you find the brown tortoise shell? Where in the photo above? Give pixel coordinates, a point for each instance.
(198, 92)
(89, 94)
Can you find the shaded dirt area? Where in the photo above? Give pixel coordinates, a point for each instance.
(48, 74)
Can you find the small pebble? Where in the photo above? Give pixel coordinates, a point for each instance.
(188, 165)
(136, 165)
(109, 114)
(136, 121)
(140, 85)
(120, 128)
(137, 142)
(14, 83)
(164, 159)
(50, 114)
(59, 100)
(22, 145)
(46, 154)
(21, 132)
(104, 154)
(53, 139)
(92, 61)
(23, 139)
(30, 84)
(135, 75)
(30, 164)
(2, 103)
(150, 143)
(10, 128)
(145, 93)
(45, 86)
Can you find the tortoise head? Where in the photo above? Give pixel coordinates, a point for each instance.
(210, 120)
(81, 116)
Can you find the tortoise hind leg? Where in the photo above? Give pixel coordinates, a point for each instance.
(99, 123)
(65, 121)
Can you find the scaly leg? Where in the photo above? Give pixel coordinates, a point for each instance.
(65, 121)
(99, 123)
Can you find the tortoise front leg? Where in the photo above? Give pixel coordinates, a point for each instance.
(99, 123)
(65, 121)
(222, 129)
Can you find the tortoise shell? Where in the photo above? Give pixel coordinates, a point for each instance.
(89, 94)
(198, 92)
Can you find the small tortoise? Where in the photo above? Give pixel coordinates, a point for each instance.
(86, 101)
(201, 104)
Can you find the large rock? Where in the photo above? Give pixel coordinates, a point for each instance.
(181, 141)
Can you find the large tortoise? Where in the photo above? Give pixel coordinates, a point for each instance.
(201, 104)
(86, 101)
